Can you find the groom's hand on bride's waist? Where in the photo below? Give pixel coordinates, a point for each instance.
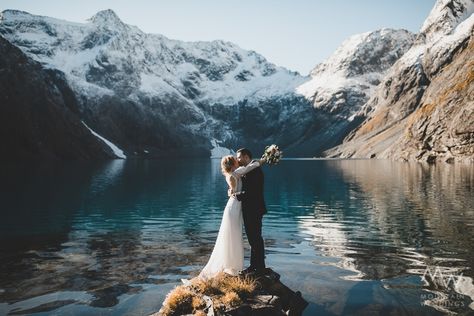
(238, 195)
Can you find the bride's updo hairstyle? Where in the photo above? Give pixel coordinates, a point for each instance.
(226, 163)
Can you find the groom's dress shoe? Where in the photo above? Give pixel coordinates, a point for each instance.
(256, 273)
(247, 271)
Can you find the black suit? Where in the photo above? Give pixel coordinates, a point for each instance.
(253, 209)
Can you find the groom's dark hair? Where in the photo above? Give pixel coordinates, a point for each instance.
(245, 152)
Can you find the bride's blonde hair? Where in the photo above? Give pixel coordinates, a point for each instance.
(226, 164)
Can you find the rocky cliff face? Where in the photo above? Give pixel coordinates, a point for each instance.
(39, 114)
(342, 84)
(423, 109)
(442, 126)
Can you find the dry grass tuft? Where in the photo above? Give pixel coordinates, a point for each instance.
(207, 287)
(229, 299)
(224, 290)
(243, 286)
(378, 120)
(198, 303)
(179, 301)
(223, 283)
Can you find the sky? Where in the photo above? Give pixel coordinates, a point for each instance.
(296, 34)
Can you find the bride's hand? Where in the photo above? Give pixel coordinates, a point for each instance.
(229, 192)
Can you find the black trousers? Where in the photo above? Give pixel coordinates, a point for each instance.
(253, 230)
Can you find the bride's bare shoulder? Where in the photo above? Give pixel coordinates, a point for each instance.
(230, 179)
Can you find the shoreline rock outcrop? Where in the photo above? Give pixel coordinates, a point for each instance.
(234, 296)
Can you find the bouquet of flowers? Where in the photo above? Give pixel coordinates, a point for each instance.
(272, 154)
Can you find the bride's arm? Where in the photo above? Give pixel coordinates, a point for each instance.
(232, 182)
(240, 171)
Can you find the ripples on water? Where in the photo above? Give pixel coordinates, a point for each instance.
(354, 236)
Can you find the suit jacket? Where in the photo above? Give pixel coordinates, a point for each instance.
(252, 184)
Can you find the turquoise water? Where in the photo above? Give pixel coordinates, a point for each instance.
(356, 237)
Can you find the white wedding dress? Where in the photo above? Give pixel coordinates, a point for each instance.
(228, 253)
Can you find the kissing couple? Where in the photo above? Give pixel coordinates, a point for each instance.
(246, 205)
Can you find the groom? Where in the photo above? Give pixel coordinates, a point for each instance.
(253, 208)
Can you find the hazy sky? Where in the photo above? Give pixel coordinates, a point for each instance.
(295, 34)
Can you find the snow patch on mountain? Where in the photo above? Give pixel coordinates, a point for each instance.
(458, 34)
(355, 69)
(218, 152)
(445, 16)
(444, 29)
(117, 151)
(111, 54)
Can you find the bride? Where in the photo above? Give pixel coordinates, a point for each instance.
(228, 253)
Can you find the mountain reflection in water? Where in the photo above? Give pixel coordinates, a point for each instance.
(354, 236)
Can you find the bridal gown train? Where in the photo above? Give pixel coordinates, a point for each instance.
(228, 253)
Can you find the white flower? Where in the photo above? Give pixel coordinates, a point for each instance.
(272, 154)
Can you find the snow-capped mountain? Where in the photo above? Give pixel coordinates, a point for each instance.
(151, 96)
(344, 82)
(341, 85)
(122, 59)
(172, 93)
(445, 16)
(423, 109)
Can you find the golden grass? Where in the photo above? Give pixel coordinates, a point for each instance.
(224, 290)
(207, 287)
(223, 283)
(230, 299)
(376, 121)
(425, 110)
(469, 79)
(458, 86)
(243, 286)
(198, 303)
(179, 301)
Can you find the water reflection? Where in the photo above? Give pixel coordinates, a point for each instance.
(400, 219)
(355, 237)
(107, 176)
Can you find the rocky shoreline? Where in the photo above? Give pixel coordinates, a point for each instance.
(234, 296)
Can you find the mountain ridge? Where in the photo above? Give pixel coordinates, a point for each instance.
(154, 96)
(389, 131)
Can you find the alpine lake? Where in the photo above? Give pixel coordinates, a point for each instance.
(355, 237)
